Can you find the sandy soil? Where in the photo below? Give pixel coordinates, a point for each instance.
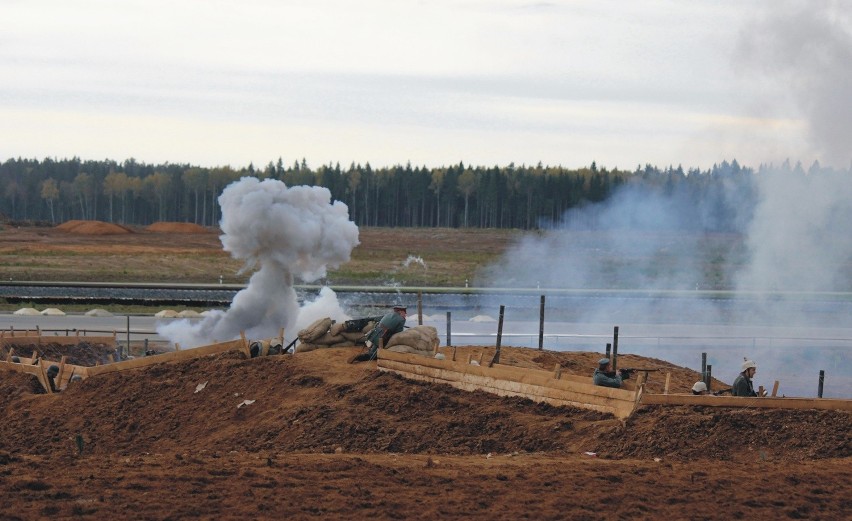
(324, 438)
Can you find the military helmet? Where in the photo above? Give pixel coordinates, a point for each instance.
(603, 361)
(53, 370)
(699, 387)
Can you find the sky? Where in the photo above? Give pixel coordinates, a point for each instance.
(220, 82)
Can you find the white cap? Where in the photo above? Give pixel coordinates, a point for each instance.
(699, 387)
(748, 364)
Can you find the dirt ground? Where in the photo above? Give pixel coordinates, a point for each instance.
(322, 438)
(86, 251)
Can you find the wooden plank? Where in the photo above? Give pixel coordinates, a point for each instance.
(668, 378)
(174, 356)
(752, 402)
(520, 374)
(470, 382)
(775, 389)
(518, 382)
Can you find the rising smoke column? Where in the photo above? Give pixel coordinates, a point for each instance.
(287, 233)
(805, 46)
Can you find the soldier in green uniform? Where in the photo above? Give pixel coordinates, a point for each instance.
(390, 324)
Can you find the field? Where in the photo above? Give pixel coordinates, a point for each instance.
(327, 439)
(42, 253)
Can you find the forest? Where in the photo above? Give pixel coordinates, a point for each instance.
(52, 191)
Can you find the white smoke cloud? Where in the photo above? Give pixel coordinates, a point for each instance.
(805, 46)
(289, 233)
(799, 237)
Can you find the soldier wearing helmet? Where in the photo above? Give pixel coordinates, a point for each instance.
(390, 324)
(52, 372)
(743, 385)
(700, 388)
(607, 378)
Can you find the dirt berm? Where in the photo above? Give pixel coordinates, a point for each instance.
(311, 436)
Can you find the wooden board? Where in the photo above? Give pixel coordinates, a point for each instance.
(174, 356)
(536, 385)
(753, 402)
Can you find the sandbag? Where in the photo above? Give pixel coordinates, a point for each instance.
(345, 343)
(409, 349)
(328, 339)
(337, 329)
(423, 338)
(304, 347)
(315, 330)
(358, 338)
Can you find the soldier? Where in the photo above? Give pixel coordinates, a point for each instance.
(603, 376)
(743, 385)
(390, 324)
(52, 373)
(700, 388)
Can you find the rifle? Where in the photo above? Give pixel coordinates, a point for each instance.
(627, 371)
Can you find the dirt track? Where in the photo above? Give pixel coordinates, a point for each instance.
(327, 439)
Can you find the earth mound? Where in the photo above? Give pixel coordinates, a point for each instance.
(311, 436)
(175, 227)
(93, 228)
(316, 402)
(83, 353)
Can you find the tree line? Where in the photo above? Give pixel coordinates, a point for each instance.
(526, 197)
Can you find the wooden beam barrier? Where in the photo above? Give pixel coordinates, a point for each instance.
(745, 401)
(174, 356)
(534, 384)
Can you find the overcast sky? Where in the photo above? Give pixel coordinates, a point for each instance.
(432, 82)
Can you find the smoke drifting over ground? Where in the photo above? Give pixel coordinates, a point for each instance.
(289, 233)
(806, 46)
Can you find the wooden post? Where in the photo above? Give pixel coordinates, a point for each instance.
(821, 382)
(246, 349)
(128, 336)
(709, 377)
(496, 359)
(775, 389)
(608, 349)
(61, 371)
(615, 348)
(449, 337)
(557, 371)
(281, 334)
(541, 325)
(419, 308)
(704, 367)
(45, 379)
(454, 353)
(469, 358)
(666, 388)
(760, 390)
(480, 357)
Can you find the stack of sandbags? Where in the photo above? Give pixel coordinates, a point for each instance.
(419, 340)
(325, 333)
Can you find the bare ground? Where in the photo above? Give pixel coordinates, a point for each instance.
(325, 438)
